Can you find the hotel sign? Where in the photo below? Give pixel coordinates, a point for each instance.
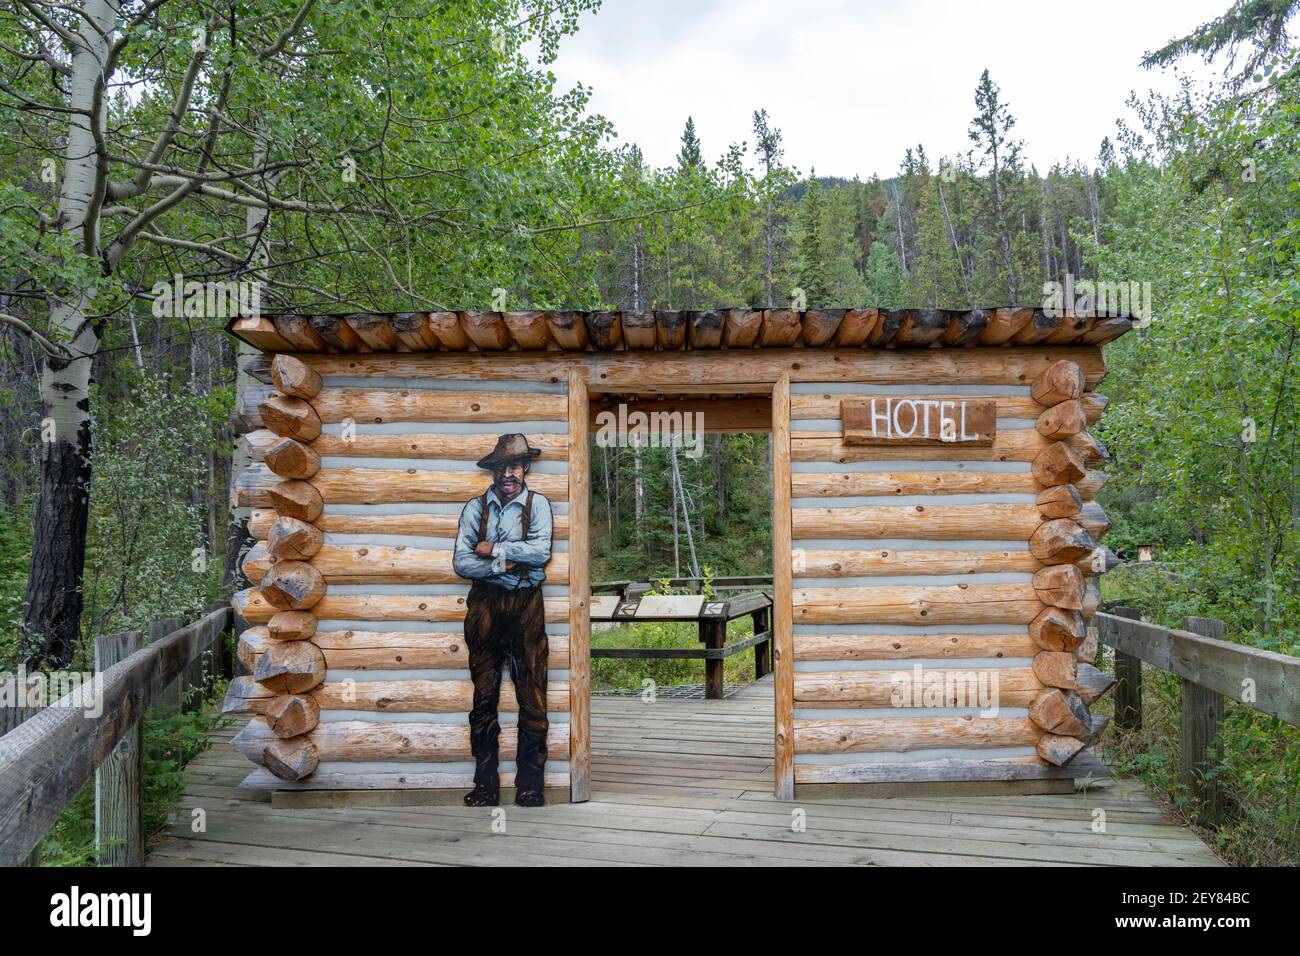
(898, 420)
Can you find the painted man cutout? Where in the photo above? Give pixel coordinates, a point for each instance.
(502, 544)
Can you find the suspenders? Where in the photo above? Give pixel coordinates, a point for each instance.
(483, 516)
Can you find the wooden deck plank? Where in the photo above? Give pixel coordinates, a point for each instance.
(677, 781)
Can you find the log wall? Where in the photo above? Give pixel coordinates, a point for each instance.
(933, 601)
(358, 669)
(922, 576)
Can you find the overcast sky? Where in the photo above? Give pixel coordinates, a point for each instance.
(852, 85)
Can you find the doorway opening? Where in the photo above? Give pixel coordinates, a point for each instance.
(680, 564)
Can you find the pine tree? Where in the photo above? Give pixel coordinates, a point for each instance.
(990, 131)
(690, 158)
(814, 270)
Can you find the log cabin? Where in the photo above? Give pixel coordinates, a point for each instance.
(936, 537)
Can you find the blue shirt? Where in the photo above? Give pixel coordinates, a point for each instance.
(505, 528)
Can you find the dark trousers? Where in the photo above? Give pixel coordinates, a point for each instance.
(507, 627)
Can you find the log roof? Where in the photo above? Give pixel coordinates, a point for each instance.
(672, 330)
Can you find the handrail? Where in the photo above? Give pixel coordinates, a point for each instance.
(45, 761)
(1261, 680)
(1211, 669)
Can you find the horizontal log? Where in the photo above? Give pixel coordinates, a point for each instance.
(962, 603)
(378, 405)
(292, 715)
(424, 696)
(875, 483)
(941, 771)
(1060, 585)
(877, 647)
(1060, 541)
(929, 522)
(1094, 520)
(1057, 629)
(246, 696)
(906, 734)
(289, 667)
(936, 687)
(1090, 683)
(611, 370)
(812, 407)
(1058, 750)
(468, 448)
(1057, 669)
(424, 525)
(292, 625)
(403, 650)
(1059, 501)
(385, 607)
(292, 759)
(390, 486)
(376, 564)
(878, 483)
(292, 585)
(289, 417)
(1016, 444)
(360, 741)
(290, 540)
(290, 458)
(253, 606)
(292, 377)
(865, 563)
(331, 780)
(294, 499)
(1061, 712)
(1060, 382)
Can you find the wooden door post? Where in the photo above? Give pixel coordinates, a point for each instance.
(1202, 718)
(782, 594)
(119, 780)
(1128, 673)
(579, 591)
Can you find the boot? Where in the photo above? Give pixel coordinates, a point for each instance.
(483, 796)
(530, 798)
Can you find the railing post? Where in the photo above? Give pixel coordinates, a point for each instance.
(1128, 675)
(119, 781)
(1201, 719)
(713, 634)
(169, 698)
(762, 651)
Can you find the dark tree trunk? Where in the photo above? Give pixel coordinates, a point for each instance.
(52, 619)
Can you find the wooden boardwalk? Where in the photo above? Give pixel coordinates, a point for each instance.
(675, 782)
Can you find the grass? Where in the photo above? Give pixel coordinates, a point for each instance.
(625, 674)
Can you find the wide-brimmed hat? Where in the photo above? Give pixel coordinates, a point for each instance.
(509, 448)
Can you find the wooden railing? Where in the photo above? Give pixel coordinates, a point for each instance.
(46, 760)
(720, 585)
(1211, 669)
